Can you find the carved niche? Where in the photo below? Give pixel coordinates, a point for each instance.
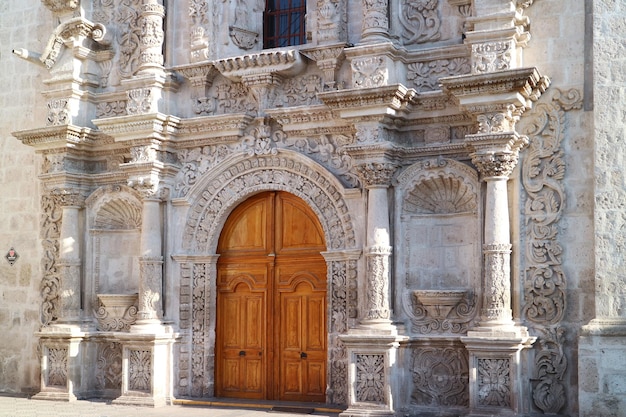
(440, 234)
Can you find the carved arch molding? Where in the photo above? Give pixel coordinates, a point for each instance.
(210, 203)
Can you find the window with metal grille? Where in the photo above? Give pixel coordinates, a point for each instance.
(284, 23)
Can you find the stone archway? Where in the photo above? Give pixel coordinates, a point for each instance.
(211, 201)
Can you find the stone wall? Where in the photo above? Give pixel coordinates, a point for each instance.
(23, 24)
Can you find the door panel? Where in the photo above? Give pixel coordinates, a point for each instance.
(271, 302)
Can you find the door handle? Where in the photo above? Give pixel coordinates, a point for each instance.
(302, 355)
(242, 353)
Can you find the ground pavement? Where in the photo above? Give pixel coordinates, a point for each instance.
(25, 407)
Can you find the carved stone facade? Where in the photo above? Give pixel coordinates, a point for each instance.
(469, 195)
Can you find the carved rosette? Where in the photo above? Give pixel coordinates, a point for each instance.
(497, 294)
(56, 373)
(139, 370)
(370, 378)
(494, 382)
(440, 376)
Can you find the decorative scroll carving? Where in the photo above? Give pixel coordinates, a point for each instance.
(370, 378)
(52, 214)
(460, 317)
(261, 141)
(200, 297)
(111, 108)
(425, 75)
(268, 172)
(116, 312)
(420, 20)
(440, 376)
(543, 171)
(369, 71)
(338, 358)
(57, 367)
(139, 101)
(376, 173)
(494, 382)
(495, 164)
(139, 370)
(109, 366)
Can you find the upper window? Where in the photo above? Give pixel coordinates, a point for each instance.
(284, 23)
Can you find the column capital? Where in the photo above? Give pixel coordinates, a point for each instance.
(376, 174)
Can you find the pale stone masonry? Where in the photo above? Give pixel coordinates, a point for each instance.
(463, 160)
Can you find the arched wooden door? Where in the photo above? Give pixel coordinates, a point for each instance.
(271, 302)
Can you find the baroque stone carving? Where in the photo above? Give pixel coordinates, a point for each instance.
(117, 312)
(491, 56)
(51, 218)
(458, 320)
(200, 328)
(58, 112)
(425, 75)
(370, 378)
(139, 370)
(117, 214)
(302, 90)
(378, 283)
(376, 16)
(440, 376)
(338, 358)
(57, 367)
(368, 72)
(150, 296)
(331, 21)
(543, 172)
(497, 296)
(109, 366)
(111, 108)
(441, 194)
(268, 172)
(494, 382)
(199, 38)
(421, 21)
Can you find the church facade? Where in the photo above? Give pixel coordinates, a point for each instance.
(398, 207)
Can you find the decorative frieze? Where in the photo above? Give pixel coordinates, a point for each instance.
(56, 372)
(108, 373)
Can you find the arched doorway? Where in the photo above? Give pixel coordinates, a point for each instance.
(271, 335)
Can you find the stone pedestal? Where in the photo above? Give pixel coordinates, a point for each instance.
(372, 358)
(147, 369)
(63, 376)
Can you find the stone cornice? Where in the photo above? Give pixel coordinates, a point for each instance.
(280, 62)
(54, 137)
(139, 127)
(213, 127)
(518, 87)
(393, 100)
(307, 118)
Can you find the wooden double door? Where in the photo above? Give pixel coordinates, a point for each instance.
(271, 302)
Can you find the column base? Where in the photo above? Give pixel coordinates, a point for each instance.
(55, 396)
(366, 412)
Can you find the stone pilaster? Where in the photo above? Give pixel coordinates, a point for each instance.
(495, 345)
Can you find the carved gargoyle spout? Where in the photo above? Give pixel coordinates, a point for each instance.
(74, 30)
